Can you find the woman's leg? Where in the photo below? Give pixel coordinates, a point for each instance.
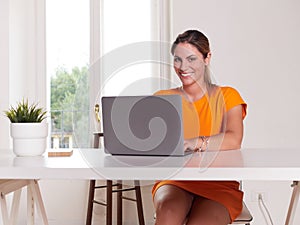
(172, 205)
(208, 212)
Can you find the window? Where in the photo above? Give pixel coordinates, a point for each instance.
(67, 32)
(126, 30)
(75, 37)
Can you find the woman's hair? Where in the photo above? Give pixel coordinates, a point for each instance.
(198, 40)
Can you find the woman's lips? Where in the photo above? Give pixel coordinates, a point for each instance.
(186, 74)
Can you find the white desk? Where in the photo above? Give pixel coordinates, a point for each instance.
(245, 164)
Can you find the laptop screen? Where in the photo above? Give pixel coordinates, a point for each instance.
(143, 125)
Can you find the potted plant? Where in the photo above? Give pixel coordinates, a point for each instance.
(28, 129)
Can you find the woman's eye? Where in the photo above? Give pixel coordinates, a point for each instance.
(192, 59)
(177, 60)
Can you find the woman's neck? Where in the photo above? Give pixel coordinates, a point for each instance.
(194, 92)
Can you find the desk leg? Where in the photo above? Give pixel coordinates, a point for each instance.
(4, 210)
(30, 207)
(12, 218)
(36, 193)
(15, 207)
(293, 203)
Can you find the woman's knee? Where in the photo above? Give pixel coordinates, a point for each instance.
(168, 212)
(169, 195)
(172, 204)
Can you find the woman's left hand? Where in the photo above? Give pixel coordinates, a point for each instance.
(191, 144)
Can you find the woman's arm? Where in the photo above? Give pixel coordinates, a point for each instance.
(230, 138)
(233, 129)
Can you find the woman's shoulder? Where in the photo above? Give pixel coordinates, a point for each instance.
(173, 91)
(227, 90)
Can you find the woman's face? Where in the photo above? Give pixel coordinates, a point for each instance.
(189, 64)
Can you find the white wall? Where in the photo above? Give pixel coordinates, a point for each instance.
(4, 71)
(255, 48)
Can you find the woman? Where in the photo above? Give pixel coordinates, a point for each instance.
(211, 114)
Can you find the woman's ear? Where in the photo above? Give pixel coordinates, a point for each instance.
(207, 59)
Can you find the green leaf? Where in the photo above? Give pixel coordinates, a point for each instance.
(25, 113)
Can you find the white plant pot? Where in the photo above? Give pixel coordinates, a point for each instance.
(29, 139)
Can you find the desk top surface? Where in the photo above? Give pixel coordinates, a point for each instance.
(244, 164)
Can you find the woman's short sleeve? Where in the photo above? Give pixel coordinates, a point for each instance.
(233, 98)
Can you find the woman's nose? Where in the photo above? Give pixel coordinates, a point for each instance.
(183, 65)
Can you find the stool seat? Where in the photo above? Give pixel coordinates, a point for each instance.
(245, 216)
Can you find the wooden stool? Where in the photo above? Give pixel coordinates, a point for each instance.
(33, 196)
(110, 189)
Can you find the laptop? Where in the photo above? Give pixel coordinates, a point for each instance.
(143, 125)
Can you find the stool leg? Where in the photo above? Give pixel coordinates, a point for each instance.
(89, 214)
(293, 203)
(139, 203)
(119, 203)
(109, 202)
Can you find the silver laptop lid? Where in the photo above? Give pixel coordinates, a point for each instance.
(143, 125)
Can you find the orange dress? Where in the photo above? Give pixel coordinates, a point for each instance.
(205, 117)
